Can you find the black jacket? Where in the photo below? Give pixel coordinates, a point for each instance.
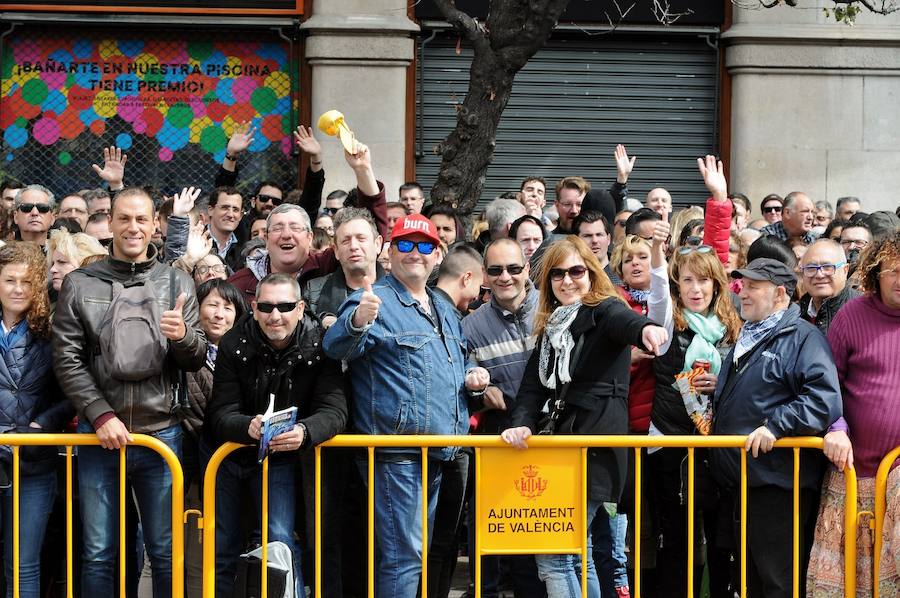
(668, 413)
(788, 383)
(829, 307)
(597, 399)
(248, 369)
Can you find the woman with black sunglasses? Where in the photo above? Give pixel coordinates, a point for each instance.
(581, 364)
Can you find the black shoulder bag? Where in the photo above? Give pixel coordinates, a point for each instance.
(549, 423)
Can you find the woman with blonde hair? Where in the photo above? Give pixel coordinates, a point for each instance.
(30, 402)
(580, 363)
(66, 252)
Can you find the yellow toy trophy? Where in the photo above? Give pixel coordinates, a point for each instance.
(332, 123)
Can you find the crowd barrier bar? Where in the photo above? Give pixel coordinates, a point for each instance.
(16, 441)
(583, 442)
(881, 476)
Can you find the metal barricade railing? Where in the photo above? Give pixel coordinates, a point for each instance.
(583, 442)
(16, 441)
(881, 478)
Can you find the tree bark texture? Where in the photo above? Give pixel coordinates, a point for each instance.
(513, 32)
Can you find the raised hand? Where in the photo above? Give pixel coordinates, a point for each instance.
(240, 139)
(361, 159)
(714, 177)
(172, 322)
(624, 164)
(183, 203)
(306, 142)
(199, 243)
(367, 310)
(662, 230)
(113, 171)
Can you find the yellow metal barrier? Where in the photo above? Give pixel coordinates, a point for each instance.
(881, 476)
(582, 442)
(71, 440)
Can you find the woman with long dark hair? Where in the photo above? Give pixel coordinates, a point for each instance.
(581, 363)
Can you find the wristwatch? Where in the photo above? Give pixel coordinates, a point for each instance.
(305, 434)
(230, 157)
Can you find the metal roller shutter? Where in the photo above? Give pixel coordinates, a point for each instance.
(574, 101)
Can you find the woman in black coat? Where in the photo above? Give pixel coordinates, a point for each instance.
(585, 333)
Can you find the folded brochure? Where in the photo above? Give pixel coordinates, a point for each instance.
(274, 423)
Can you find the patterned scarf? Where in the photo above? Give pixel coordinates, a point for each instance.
(558, 335)
(637, 295)
(212, 351)
(753, 332)
(9, 340)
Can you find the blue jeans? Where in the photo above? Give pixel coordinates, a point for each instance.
(98, 485)
(608, 535)
(234, 478)
(562, 572)
(398, 521)
(36, 496)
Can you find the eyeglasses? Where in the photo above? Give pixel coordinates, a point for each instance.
(26, 208)
(693, 241)
(575, 272)
(889, 274)
(284, 308)
(294, 228)
(215, 269)
(513, 269)
(424, 247)
(638, 239)
(692, 248)
(810, 270)
(277, 201)
(854, 243)
(772, 209)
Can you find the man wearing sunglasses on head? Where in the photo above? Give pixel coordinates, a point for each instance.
(34, 213)
(824, 268)
(406, 354)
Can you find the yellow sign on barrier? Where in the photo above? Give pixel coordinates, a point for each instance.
(532, 501)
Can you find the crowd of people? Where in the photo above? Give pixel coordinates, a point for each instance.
(188, 317)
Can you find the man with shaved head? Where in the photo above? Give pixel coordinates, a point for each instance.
(824, 269)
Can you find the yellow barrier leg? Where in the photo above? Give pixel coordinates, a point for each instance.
(69, 522)
(318, 532)
(796, 564)
(850, 527)
(16, 522)
(690, 524)
(264, 578)
(743, 523)
(637, 522)
(479, 522)
(123, 551)
(584, 525)
(371, 507)
(425, 486)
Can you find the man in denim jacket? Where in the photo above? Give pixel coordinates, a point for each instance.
(406, 354)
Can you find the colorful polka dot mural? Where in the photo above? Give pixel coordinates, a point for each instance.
(160, 96)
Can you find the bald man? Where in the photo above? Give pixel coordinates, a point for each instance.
(824, 269)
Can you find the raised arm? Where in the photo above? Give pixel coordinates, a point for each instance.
(717, 218)
(370, 191)
(314, 182)
(659, 305)
(240, 140)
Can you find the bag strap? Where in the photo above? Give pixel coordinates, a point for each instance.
(559, 405)
(179, 385)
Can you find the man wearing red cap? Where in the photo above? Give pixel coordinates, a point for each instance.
(406, 354)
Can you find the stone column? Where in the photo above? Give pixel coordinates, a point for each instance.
(814, 104)
(359, 51)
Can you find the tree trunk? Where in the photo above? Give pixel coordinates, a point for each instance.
(514, 31)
